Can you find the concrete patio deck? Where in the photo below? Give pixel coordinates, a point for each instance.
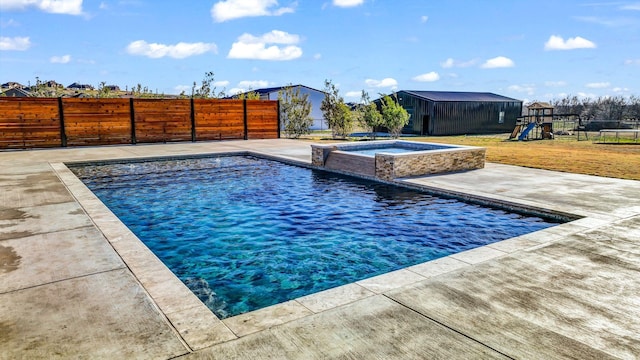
(76, 283)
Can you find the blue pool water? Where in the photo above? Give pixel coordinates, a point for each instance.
(391, 149)
(245, 233)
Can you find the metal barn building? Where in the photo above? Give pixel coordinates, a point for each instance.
(457, 113)
(315, 98)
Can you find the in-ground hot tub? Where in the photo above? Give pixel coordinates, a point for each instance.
(391, 159)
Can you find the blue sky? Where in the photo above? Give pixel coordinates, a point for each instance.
(529, 50)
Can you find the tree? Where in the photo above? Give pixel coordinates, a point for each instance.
(141, 92)
(336, 112)
(103, 91)
(295, 112)
(369, 116)
(567, 105)
(611, 108)
(346, 120)
(40, 89)
(394, 116)
(633, 107)
(589, 111)
(249, 95)
(207, 88)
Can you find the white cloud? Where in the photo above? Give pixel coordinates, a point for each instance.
(498, 62)
(528, 89)
(69, 7)
(424, 18)
(384, 83)
(447, 64)
(223, 83)
(620, 90)
(555, 83)
(558, 43)
(317, 56)
(273, 37)
(635, 6)
(8, 23)
(632, 62)
(180, 88)
(253, 84)
(60, 59)
(180, 50)
(255, 47)
(235, 9)
(15, 43)
(427, 77)
(451, 63)
(347, 3)
(598, 85)
(236, 91)
(609, 22)
(353, 94)
(584, 95)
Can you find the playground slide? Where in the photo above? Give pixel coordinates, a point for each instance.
(515, 132)
(526, 131)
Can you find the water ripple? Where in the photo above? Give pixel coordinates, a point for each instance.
(245, 233)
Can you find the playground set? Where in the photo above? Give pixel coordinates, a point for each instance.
(538, 123)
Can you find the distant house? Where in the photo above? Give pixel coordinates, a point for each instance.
(16, 92)
(53, 84)
(315, 97)
(76, 86)
(457, 113)
(113, 87)
(11, 85)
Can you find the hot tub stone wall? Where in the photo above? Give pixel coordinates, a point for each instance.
(343, 161)
(389, 167)
(319, 153)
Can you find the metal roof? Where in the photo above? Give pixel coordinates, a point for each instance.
(540, 105)
(458, 96)
(278, 88)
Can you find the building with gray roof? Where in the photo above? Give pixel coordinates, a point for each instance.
(457, 113)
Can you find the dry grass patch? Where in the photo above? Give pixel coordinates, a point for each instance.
(562, 154)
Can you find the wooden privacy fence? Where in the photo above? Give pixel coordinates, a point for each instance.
(54, 122)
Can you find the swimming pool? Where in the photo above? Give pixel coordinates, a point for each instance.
(245, 233)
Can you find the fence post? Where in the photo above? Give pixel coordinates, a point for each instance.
(63, 132)
(193, 121)
(246, 126)
(133, 121)
(278, 118)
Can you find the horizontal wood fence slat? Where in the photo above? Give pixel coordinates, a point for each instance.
(54, 122)
(97, 121)
(158, 120)
(27, 123)
(262, 119)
